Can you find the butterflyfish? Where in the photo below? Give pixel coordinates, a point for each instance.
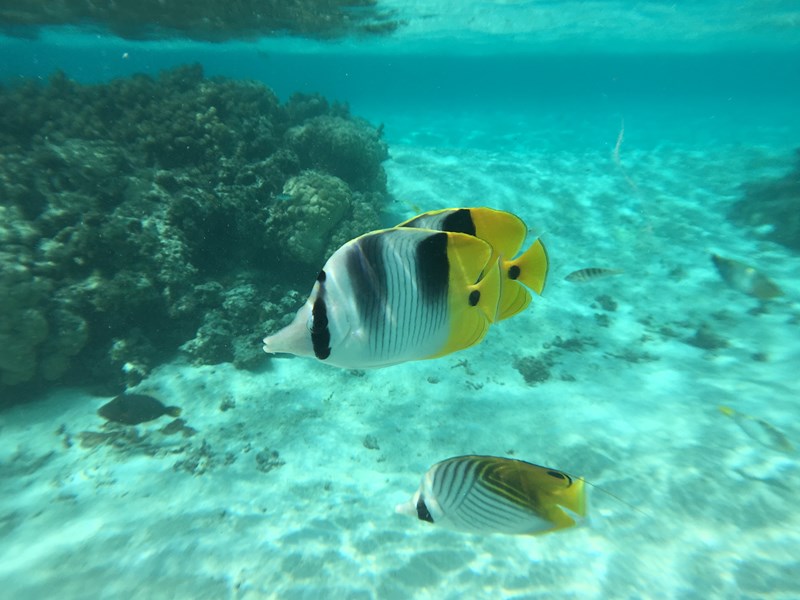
(759, 430)
(746, 279)
(132, 409)
(488, 494)
(396, 295)
(505, 233)
(590, 273)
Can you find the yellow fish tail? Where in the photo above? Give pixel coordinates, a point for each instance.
(514, 299)
(573, 499)
(530, 268)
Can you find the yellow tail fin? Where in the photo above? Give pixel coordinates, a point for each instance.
(514, 298)
(575, 498)
(566, 507)
(530, 268)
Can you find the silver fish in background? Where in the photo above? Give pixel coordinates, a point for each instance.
(746, 279)
(396, 295)
(759, 430)
(489, 494)
(591, 273)
(505, 233)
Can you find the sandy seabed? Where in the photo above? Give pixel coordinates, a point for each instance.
(285, 485)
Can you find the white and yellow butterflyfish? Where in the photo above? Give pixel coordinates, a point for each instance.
(505, 233)
(396, 295)
(490, 494)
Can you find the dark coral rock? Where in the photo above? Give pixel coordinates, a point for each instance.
(533, 369)
(707, 339)
(774, 204)
(606, 302)
(147, 213)
(267, 460)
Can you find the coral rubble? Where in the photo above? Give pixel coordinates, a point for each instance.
(148, 214)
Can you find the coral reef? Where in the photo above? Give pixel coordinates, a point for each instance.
(317, 213)
(148, 214)
(205, 19)
(773, 205)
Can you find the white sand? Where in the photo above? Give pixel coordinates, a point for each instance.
(629, 405)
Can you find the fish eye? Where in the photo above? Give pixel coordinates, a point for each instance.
(513, 272)
(474, 297)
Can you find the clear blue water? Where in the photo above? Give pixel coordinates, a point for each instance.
(480, 105)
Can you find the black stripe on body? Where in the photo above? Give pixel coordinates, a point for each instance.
(465, 497)
(492, 480)
(400, 285)
(459, 221)
(433, 269)
(367, 275)
(478, 511)
(502, 508)
(451, 482)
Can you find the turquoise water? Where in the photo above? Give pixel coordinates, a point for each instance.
(635, 137)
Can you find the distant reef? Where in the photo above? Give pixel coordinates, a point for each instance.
(207, 20)
(773, 204)
(148, 215)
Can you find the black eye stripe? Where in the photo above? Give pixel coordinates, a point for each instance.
(423, 514)
(320, 333)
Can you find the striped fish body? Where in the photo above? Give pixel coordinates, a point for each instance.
(505, 233)
(396, 295)
(590, 273)
(488, 494)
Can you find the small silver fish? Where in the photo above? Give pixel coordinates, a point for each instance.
(590, 273)
(746, 279)
(759, 430)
